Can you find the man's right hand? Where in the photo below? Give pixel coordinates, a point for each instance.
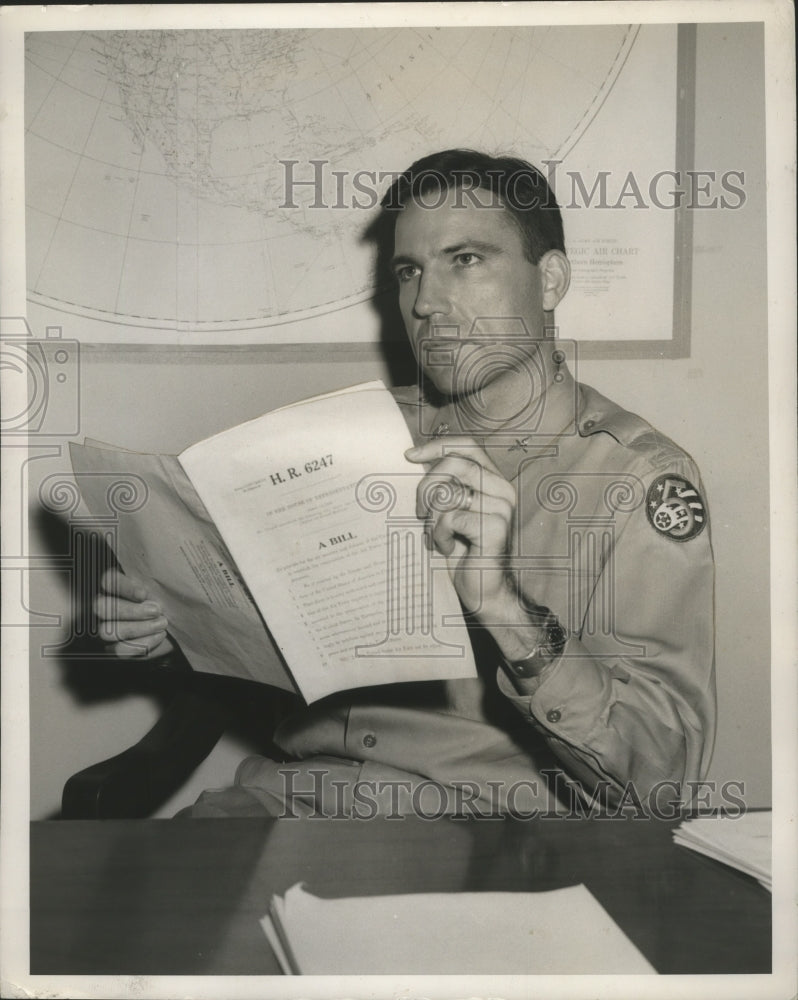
(131, 622)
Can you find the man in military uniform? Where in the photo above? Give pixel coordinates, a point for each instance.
(580, 549)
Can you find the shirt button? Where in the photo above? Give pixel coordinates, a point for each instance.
(553, 715)
(369, 740)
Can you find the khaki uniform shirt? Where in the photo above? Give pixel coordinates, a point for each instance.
(611, 534)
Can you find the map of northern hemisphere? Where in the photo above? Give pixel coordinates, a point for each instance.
(225, 180)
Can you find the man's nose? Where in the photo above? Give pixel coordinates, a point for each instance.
(432, 296)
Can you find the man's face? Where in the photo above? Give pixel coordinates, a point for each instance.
(471, 300)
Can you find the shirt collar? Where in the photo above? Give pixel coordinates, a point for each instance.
(532, 426)
(569, 410)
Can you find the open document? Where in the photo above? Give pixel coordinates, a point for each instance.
(287, 549)
(459, 933)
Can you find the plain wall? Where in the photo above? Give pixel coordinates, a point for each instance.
(713, 403)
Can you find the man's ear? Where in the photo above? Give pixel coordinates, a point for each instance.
(555, 277)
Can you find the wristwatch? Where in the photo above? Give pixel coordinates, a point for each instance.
(552, 638)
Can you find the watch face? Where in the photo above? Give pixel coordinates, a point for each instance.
(549, 649)
(556, 638)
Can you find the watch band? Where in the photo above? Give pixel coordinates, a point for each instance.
(550, 644)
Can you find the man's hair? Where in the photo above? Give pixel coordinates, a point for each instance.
(515, 185)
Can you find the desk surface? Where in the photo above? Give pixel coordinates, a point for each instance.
(185, 897)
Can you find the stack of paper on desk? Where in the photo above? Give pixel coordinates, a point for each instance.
(468, 933)
(744, 842)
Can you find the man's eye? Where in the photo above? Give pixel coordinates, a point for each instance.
(467, 259)
(406, 273)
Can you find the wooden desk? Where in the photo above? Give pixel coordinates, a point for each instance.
(175, 897)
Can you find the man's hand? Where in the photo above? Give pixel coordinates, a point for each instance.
(132, 624)
(473, 535)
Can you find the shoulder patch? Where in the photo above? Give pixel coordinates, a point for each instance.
(675, 508)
